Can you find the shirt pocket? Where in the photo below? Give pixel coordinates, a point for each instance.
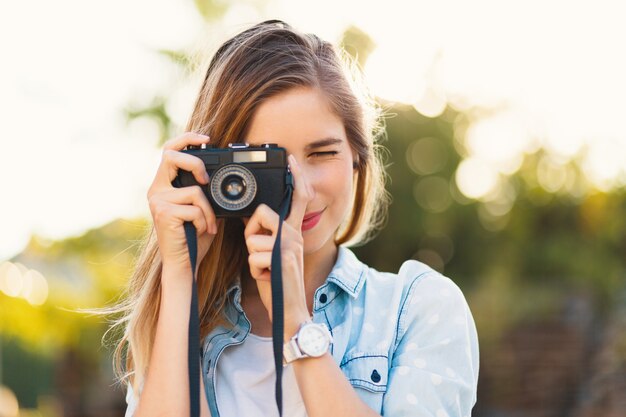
(367, 372)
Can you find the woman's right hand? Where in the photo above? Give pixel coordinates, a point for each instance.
(171, 206)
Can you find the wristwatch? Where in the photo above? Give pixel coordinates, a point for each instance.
(311, 340)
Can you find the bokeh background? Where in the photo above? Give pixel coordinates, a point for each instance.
(506, 154)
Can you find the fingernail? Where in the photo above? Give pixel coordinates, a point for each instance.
(206, 177)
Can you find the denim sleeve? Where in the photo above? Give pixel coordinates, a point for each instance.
(434, 368)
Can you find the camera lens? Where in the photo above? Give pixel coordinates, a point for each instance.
(233, 187)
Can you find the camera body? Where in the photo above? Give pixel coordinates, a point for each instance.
(241, 177)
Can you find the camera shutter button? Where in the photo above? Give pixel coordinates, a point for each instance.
(270, 145)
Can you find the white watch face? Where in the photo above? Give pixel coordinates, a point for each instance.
(313, 340)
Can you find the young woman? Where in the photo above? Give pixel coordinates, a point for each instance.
(400, 344)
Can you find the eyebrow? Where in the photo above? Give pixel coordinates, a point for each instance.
(317, 144)
(322, 142)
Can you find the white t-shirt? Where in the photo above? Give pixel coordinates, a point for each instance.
(245, 381)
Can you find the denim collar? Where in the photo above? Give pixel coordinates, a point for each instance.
(348, 273)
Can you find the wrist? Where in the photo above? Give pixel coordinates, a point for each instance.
(293, 325)
(177, 267)
(176, 277)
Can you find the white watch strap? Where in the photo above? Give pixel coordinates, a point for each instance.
(291, 352)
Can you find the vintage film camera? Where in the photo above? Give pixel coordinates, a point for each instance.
(241, 177)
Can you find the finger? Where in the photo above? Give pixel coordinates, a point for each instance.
(302, 195)
(184, 140)
(263, 220)
(191, 195)
(260, 243)
(260, 263)
(266, 277)
(170, 164)
(182, 213)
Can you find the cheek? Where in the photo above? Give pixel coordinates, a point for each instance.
(335, 185)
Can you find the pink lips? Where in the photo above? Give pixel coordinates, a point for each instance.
(311, 220)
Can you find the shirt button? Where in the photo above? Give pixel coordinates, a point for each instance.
(323, 298)
(375, 376)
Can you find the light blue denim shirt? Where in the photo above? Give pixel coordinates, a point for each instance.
(406, 342)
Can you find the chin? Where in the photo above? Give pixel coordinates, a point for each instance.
(312, 244)
(314, 241)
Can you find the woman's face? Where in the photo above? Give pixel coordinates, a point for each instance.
(301, 121)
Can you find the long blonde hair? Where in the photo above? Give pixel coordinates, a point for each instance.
(260, 62)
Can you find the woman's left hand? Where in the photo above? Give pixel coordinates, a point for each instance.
(260, 234)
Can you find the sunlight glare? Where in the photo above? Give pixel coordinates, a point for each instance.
(605, 162)
(476, 178)
(395, 75)
(500, 140)
(432, 102)
(36, 292)
(10, 279)
(551, 174)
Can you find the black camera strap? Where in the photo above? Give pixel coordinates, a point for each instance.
(278, 322)
(193, 350)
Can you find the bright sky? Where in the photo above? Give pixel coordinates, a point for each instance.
(68, 163)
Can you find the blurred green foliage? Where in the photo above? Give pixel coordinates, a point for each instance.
(358, 44)
(83, 272)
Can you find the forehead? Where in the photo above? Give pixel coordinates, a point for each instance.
(295, 118)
